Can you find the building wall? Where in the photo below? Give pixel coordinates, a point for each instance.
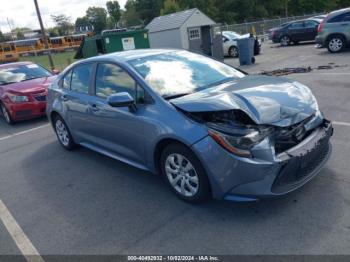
(198, 19)
(163, 39)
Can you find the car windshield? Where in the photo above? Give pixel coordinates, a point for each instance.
(176, 73)
(231, 35)
(20, 73)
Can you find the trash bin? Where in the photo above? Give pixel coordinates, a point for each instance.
(246, 49)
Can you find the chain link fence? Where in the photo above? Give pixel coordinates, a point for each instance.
(261, 28)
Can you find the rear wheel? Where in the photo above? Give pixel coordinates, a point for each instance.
(63, 134)
(336, 44)
(185, 174)
(285, 40)
(233, 52)
(6, 115)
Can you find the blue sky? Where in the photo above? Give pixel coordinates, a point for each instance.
(21, 13)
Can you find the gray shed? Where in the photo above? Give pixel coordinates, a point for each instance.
(190, 29)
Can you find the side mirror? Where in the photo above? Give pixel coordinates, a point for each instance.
(122, 99)
(55, 71)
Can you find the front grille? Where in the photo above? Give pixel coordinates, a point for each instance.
(299, 167)
(23, 113)
(40, 98)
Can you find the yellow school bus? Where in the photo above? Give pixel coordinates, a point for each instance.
(8, 53)
(28, 45)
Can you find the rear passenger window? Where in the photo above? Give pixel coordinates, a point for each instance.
(297, 25)
(345, 17)
(310, 24)
(81, 78)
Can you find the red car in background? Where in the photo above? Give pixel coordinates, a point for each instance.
(23, 90)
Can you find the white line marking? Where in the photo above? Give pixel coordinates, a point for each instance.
(341, 123)
(23, 132)
(17, 234)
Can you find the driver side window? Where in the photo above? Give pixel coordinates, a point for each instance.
(111, 79)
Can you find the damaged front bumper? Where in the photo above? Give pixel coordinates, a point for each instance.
(249, 179)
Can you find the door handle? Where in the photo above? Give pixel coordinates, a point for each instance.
(94, 108)
(64, 97)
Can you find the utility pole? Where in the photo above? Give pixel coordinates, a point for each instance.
(46, 42)
(9, 24)
(286, 7)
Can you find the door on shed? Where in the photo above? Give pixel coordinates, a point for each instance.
(195, 39)
(217, 46)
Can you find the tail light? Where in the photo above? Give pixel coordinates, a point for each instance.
(320, 27)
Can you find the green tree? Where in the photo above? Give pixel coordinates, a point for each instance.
(170, 6)
(148, 9)
(63, 24)
(130, 17)
(113, 9)
(97, 17)
(2, 37)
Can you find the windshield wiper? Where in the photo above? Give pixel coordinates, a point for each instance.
(8, 83)
(175, 96)
(229, 79)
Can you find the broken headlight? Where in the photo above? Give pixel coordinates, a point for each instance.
(240, 141)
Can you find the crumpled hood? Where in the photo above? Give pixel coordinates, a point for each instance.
(265, 99)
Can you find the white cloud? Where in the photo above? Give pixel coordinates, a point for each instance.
(21, 13)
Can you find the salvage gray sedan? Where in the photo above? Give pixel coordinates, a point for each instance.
(208, 128)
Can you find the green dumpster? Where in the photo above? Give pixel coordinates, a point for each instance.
(113, 41)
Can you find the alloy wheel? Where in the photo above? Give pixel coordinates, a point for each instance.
(182, 175)
(285, 41)
(62, 132)
(5, 114)
(336, 44)
(233, 52)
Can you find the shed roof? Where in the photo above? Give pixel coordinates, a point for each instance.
(171, 21)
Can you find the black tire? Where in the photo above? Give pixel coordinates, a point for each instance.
(67, 143)
(336, 43)
(202, 193)
(285, 40)
(233, 52)
(296, 42)
(6, 115)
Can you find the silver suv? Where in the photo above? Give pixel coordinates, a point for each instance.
(334, 31)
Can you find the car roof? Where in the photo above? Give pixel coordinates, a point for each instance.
(2, 66)
(125, 56)
(340, 11)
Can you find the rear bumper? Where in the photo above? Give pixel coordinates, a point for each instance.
(243, 179)
(24, 111)
(320, 41)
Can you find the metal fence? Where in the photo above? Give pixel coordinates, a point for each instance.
(262, 27)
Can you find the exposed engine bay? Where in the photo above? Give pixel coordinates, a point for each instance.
(238, 123)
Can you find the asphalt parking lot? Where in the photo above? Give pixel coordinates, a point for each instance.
(81, 202)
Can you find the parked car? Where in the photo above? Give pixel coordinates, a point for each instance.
(271, 32)
(229, 39)
(23, 89)
(208, 128)
(295, 32)
(334, 31)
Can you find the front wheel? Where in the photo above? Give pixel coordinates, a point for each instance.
(185, 174)
(336, 44)
(6, 115)
(285, 40)
(64, 136)
(233, 52)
